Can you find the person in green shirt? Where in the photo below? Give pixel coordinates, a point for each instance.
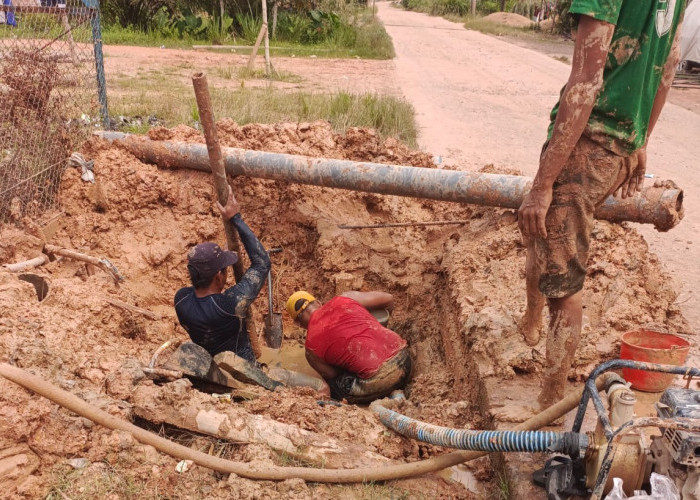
(624, 60)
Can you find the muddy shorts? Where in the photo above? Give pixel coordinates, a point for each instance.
(591, 174)
(394, 374)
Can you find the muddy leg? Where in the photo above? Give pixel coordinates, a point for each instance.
(562, 341)
(531, 323)
(291, 378)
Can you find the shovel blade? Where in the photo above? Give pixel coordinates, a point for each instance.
(272, 331)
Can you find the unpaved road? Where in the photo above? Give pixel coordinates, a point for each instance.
(482, 100)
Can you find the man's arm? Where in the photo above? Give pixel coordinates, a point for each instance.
(636, 181)
(593, 39)
(371, 300)
(252, 281)
(322, 368)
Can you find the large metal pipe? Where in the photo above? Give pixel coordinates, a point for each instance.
(662, 207)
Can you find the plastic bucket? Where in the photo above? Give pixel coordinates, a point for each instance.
(652, 347)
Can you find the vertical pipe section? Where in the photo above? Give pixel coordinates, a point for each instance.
(99, 65)
(216, 161)
(218, 170)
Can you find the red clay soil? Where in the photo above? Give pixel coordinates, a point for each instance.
(459, 293)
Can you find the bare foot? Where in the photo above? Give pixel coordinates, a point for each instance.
(531, 329)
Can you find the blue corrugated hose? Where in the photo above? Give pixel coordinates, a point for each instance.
(491, 441)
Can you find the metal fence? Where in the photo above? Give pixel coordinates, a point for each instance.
(52, 95)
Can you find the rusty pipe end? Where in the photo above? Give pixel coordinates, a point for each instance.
(660, 205)
(198, 76)
(671, 203)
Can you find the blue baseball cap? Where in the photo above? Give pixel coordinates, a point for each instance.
(208, 258)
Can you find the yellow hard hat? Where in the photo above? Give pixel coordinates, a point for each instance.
(297, 302)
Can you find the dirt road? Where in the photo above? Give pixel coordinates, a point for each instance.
(482, 100)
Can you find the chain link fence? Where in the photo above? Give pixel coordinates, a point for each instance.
(52, 96)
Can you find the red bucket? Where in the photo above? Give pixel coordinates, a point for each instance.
(652, 347)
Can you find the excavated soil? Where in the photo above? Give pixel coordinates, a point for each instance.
(459, 294)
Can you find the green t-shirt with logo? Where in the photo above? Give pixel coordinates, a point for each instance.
(641, 43)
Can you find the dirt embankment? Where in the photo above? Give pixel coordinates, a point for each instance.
(144, 219)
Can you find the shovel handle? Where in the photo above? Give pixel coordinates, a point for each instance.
(269, 280)
(269, 291)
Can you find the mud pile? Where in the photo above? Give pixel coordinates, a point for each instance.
(509, 19)
(459, 293)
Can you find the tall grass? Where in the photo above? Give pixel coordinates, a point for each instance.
(492, 28)
(439, 7)
(390, 116)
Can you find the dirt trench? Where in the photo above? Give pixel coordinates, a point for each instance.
(459, 293)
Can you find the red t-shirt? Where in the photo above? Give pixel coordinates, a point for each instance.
(344, 334)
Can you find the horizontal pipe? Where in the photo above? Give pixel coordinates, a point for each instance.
(658, 206)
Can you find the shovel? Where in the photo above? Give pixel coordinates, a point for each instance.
(272, 331)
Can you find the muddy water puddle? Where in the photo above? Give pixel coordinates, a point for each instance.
(291, 356)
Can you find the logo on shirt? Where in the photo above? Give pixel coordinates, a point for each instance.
(664, 17)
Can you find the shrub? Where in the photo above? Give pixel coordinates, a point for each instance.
(291, 27)
(564, 23)
(248, 26)
(321, 26)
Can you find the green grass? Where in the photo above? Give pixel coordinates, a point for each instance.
(258, 74)
(459, 11)
(175, 103)
(84, 484)
(502, 488)
(116, 35)
(361, 35)
(374, 491)
(490, 28)
(285, 459)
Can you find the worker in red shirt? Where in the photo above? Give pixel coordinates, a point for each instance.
(359, 358)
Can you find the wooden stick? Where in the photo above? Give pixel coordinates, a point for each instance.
(274, 17)
(103, 263)
(69, 36)
(27, 264)
(256, 47)
(163, 373)
(406, 224)
(267, 39)
(134, 309)
(216, 162)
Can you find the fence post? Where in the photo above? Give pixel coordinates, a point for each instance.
(100, 67)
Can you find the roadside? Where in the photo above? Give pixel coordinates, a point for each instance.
(562, 50)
